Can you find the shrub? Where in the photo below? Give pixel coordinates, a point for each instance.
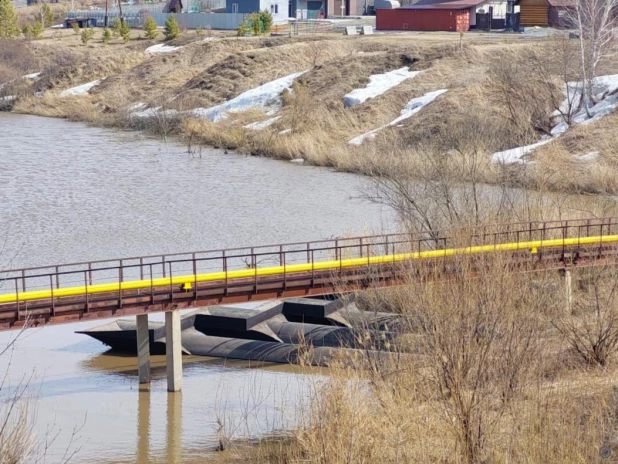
(87, 35)
(242, 29)
(106, 36)
(150, 28)
(8, 20)
(37, 29)
(116, 28)
(267, 20)
(125, 31)
(47, 15)
(171, 28)
(256, 23)
(198, 31)
(26, 29)
(76, 28)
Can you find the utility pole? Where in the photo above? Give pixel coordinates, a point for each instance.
(105, 19)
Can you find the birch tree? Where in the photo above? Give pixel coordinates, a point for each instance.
(595, 21)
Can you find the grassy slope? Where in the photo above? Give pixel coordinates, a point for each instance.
(471, 118)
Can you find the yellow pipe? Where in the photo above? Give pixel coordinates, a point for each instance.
(533, 246)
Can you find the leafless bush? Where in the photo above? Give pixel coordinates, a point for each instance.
(316, 47)
(480, 349)
(528, 98)
(592, 328)
(16, 60)
(301, 105)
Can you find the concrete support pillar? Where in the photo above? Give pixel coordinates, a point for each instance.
(174, 428)
(143, 349)
(568, 288)
(173, 351)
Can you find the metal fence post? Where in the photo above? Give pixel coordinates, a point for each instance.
(17, 298)
(51, 287)
(151, 286)
(86, 285)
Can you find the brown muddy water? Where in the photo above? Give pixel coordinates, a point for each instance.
(70, 193)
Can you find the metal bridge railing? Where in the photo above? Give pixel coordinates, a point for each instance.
(285, 256)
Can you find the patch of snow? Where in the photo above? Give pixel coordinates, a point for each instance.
(587, 157)
(9, 98)
(413, 107)
(161, 48)
(378, 84)
(604, 89)
(80, 89)
(297, 161)
(32, 76)
(559, 129)
(136, 106)
(38, 94)
(265, 96)
(515, 155)
(58, 26)
(262, 124)
(606, 106)
(146, 113)
(605, 85)
(286, 131)
(152, 112)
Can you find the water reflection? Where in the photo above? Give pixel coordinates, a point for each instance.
(143, 426)
(174, 427)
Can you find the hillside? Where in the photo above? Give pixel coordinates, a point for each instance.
(494, 93)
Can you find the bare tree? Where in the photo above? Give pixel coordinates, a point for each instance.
(595, 21)
(592, 328)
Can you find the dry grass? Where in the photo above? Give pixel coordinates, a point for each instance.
(491, 380)
(32, 13)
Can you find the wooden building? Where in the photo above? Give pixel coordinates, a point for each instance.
(553, 13)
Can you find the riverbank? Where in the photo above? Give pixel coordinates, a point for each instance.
(495, 376)
(494, 93)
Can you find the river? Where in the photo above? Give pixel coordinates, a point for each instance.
(71, 193)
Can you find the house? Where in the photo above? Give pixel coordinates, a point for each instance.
(278, 8)
(318, 9)
(553, 13)
(443, 15)
(350, 7)
(307, 9)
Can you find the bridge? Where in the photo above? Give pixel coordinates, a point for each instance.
(147, 284)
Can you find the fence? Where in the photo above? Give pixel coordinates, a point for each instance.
(224, 21)
(135, 15)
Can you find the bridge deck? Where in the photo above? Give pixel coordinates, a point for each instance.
(157, 283)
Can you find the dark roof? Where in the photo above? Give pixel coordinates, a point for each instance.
(562, 3)
(442, 4)
(556, 3)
